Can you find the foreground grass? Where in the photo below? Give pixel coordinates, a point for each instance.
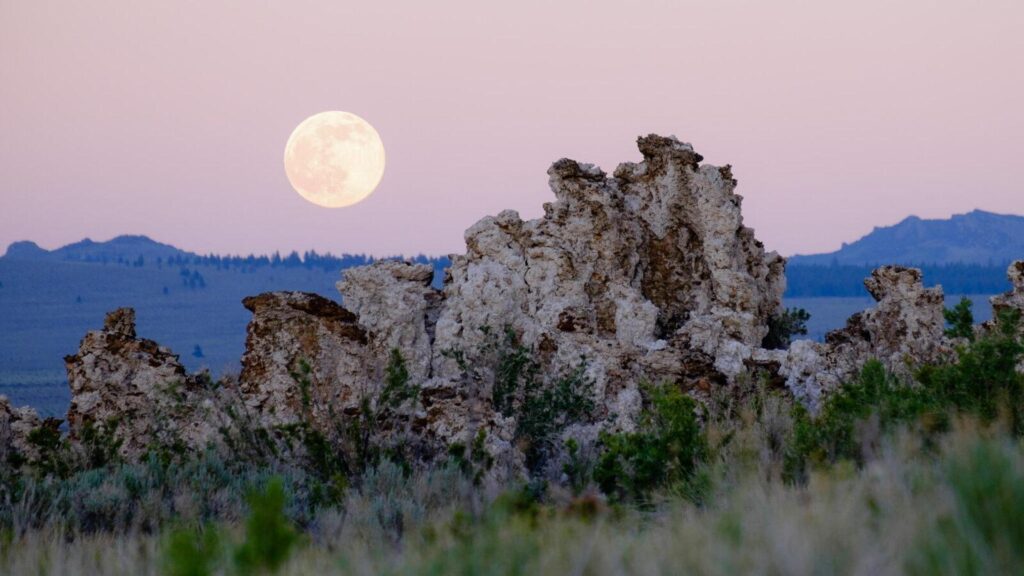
(954, 507)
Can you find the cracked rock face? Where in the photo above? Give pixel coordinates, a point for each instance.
(906, 328)
(137, 386)
(396, 305)
(648, 274)
(305, 356)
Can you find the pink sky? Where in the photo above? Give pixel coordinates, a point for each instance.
(170, 118)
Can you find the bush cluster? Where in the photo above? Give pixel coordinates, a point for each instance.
(665, 450)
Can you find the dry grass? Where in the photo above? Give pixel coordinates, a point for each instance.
(882, 519)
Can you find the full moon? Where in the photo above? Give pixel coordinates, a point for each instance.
(334, 159)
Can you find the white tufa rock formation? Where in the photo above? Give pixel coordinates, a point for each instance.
(905, 329)
(138, 387)
(396, 305)
(1014, 299)
(646, 275)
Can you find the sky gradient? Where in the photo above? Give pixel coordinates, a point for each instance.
(170, 118)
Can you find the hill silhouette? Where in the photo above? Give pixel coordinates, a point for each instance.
(978, 237)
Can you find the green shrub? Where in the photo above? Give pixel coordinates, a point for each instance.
(542, 407)
(397, 389)
(269, 535)
(984, 533)
(54, 453)
(476, 462)
(576, 468)
(544, 411)
(356, 441)
(783, 326)
(984, 381)
(833, 435)
(960, 320)
(189, 552)
(516, 369)
(666, 448)
(100, 443)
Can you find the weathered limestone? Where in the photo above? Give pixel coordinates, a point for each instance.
(138, 386)
(905, 329)
(305, 358)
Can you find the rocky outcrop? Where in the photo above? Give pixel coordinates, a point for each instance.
(15, 426)
(904, 330)
(1010, 301)
(1014, 299)
(394, 302)
(306, 358)
(647, 275)
(139, 388)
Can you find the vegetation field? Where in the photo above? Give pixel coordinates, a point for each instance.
(888, 476)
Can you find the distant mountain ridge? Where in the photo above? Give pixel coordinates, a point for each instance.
(126, 247)
(978, 237)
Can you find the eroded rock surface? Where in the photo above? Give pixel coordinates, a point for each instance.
(15, 426)
(394, 302)
(647, 275)
(305, 358)
(1014, 299)
(138, 387)
(905, 329)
